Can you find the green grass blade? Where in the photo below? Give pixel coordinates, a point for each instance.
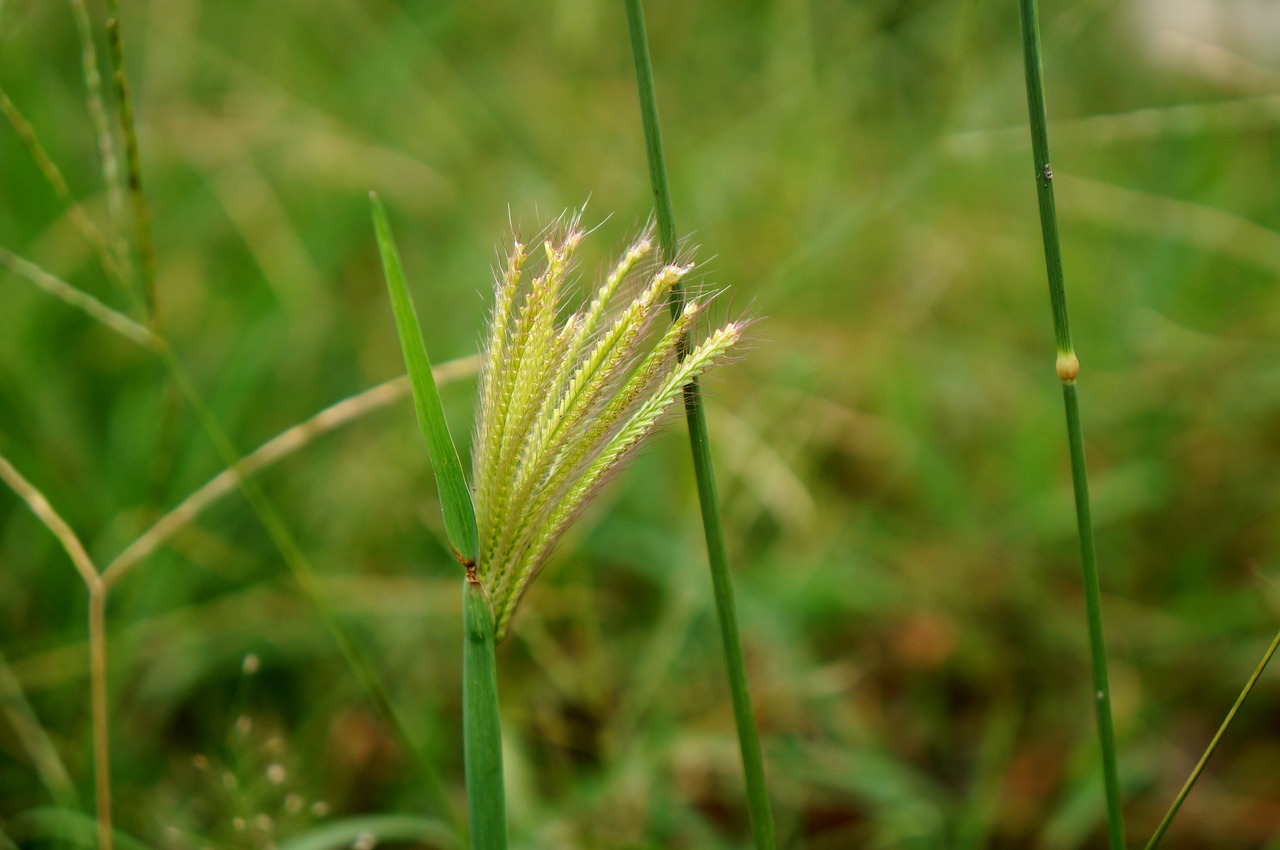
(1213, 745)
(384, 829)
(761, 813)
(1068, 367)
(481, 733)
(455, 497)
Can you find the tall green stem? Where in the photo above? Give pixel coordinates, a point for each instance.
(1068, 367)
(481, 734)
(717, 554)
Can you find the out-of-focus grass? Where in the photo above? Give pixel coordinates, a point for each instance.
(890, 449)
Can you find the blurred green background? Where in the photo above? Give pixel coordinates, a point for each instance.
(891, 450)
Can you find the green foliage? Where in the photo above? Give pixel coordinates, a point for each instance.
(895, 498)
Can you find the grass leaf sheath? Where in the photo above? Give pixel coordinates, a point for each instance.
(481, 734)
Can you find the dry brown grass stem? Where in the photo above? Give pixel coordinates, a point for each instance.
(52, 520)
(79, 299)
(280, 446)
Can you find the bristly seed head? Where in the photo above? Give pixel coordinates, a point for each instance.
(563, 403)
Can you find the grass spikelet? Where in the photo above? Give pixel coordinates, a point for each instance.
(565, 401)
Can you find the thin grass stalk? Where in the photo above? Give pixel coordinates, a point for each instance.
(1213, 745)
(53, 176)
(98, 709)
(71, 543)
(285, 443)
(77, 298)
(96, 104)
(481, 732)
(133, 163)
(102, 127)
(761, 813)
(1068, 367)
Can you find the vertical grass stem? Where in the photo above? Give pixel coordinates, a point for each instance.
(98, 702)
(481, 733)
(717, 554)
(1068, 368)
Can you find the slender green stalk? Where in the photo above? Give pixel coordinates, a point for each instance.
(98, 703)
(119, 248)
(481, 734)
(717, 554)
(1213, 745)
(1068, 367)
(133, 163)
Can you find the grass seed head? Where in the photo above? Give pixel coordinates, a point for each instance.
(565, 400)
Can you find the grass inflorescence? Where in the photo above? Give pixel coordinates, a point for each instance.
(565, 401)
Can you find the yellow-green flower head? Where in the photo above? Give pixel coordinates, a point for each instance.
(564, 402)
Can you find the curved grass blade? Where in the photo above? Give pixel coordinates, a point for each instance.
(455, 497)
(481, 733)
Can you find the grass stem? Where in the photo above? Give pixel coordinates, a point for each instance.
(481, 732)
(133, 164)
(717, 554)
(1068, 367)
(106, 145)
(98, 703)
